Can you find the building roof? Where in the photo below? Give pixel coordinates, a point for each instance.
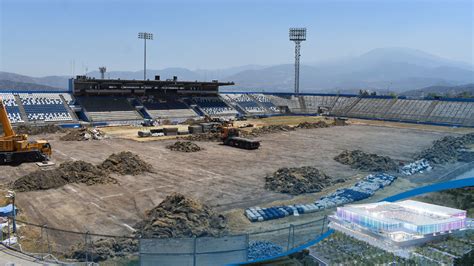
(408, 211)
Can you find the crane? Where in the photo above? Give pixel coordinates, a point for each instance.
(15, 148)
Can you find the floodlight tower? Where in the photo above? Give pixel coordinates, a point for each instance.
(145, 36)
(297, 35)
(102, 71)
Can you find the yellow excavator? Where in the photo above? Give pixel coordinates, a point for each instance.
(15, 148)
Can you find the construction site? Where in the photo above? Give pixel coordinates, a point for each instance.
(173, 159)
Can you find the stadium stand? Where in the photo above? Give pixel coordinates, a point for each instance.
(12, 108)
(373, 108)
(343, 104)
(108, 108)
(290, 101)
(169, 108)
(214, 106)
(409, 110)
(47, 107)
(448, 112)
(246, 102)
(313, 103)
(265, 102)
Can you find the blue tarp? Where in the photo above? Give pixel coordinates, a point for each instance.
(7, 210)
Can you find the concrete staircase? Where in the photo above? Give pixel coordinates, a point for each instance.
(23, 114)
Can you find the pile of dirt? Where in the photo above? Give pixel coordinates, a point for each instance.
(449, 150)
(126, 163)
(309, 125)
(83, 134)
(68, 172)
(38, 129)
(204, 137)
(299, 180)
(266, 130)
(104, 249)
(184, 146)
(358, 159)
(179, 216)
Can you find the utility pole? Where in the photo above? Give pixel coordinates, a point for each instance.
(145, 36)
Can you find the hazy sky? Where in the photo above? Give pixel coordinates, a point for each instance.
(42, 37)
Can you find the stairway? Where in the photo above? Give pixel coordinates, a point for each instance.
(23, 114)
(71, 113)
(302, 104)
(428, 112)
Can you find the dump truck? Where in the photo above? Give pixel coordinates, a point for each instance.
(15, 148)
(230, 137)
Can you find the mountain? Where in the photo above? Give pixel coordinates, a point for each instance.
(16, 85)
(393, 69)
(441, 90)
(381, 70)
(52, 82)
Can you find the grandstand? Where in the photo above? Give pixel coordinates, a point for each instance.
(131, 101)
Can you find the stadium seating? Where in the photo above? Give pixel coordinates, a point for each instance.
(245, 102)
(214, 106)
(265, 102)
(47, 107)
(12, 108)
(108, 108)
(288, 100)
(169, 108)
(373, 108)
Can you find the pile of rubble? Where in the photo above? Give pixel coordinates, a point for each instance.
(38, 129)
(68, 172)
(367, 162)
(416, 167)
(262, 249)
(204, 137)
(104, 249)
(178, 216)
(83, 134)
(309, 125)
(184, 146)
(266, 130)
(449, 150)
(126, 163)
(299, 180)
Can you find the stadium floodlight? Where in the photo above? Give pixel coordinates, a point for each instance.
(145, 36)
(297, 35)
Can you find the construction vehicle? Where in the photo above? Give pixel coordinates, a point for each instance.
(230, 137)
(15, 148)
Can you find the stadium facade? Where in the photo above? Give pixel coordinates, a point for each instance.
(398, 225)
(118, 101)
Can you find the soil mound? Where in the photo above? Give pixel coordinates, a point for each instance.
(184, 146)
(204, 137)
(299, 180)
(68, 172)
(309, 125)
(35, 130)
(178, 216)
(84, 134)
(126, 163)
(367, 161)
(104, 249)
(266, 130)
(449, 150)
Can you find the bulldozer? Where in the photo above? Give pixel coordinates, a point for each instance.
(230, 137)
(15, 148)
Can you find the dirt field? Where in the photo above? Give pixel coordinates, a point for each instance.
(223, 177)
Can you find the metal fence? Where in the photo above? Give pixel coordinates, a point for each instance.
(53, 245)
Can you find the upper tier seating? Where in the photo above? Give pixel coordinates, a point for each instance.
(246, 102)
(109, 108)
(12, 108)
(263, 100)
(168, 108)
(214, 106)
(46, 107)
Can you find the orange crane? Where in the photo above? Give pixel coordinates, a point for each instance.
(15, 148)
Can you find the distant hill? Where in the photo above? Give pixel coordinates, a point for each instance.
(441, 90)
(9, 85)
(382, 70)
(53, 82)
